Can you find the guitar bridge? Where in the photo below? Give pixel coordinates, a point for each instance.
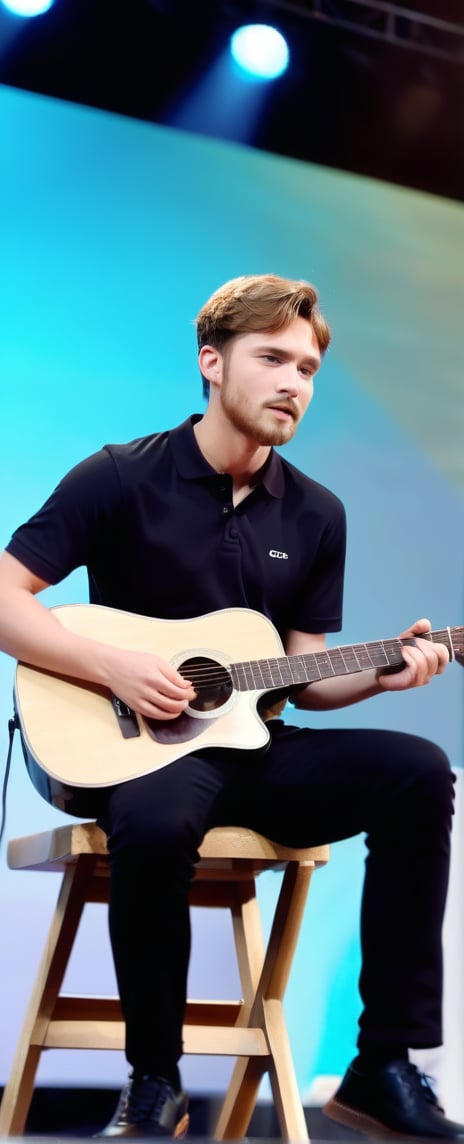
(126, 717)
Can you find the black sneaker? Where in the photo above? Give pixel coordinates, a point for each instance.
(148, 1107)
(394, 1100)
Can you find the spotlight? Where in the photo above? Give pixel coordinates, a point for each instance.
(27, 7)
(260, 50)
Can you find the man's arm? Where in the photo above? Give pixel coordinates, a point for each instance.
(31, 632)
(421, 663)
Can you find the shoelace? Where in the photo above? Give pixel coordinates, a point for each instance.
(145, 1097)
(421, 1080)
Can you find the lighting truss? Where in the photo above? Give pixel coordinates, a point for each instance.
(380, 20)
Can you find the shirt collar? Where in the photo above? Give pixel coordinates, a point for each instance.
(192, 465)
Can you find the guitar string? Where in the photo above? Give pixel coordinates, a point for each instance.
(215, 673)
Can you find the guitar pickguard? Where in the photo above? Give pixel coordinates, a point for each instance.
(180, 730)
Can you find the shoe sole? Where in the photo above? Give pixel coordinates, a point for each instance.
(181, 1128)
(360, 1121)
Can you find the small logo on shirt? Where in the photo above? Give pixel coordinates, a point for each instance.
(278, 555)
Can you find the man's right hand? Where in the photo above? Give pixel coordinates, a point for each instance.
(147, 683)
(32, 633)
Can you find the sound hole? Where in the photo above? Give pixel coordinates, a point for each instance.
(211, 681)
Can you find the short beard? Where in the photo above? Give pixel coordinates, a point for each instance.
(277, 434)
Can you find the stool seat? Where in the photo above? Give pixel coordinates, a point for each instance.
(251, 1028)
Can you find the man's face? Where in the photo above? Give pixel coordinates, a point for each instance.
(267, 381)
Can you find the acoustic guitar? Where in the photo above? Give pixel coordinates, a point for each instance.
(78, 738)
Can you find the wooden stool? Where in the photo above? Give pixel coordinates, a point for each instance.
(251, 1029)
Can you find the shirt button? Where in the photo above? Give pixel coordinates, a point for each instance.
(225, 509)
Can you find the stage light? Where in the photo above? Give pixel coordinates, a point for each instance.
(260, 50)
(27, 7)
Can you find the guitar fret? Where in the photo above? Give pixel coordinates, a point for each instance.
(300, 666)
(377, 655)
(322, 664)
(244, 672)
(296, 669)
(363, 657)
(259, 674)
(266, 675)
(338, 662)
(289, 671)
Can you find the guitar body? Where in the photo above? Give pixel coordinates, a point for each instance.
(73, 742)
(78, 738)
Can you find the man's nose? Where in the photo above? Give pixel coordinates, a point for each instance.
(289, 381)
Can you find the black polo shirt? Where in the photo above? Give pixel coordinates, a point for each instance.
(156, 528)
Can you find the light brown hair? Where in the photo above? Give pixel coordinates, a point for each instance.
(255, 302)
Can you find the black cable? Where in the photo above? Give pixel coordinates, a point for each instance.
(12, 725)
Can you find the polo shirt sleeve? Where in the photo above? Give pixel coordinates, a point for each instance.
(62, 535)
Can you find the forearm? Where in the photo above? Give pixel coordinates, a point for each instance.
(342, 691)
(32, 633)
(422, 659)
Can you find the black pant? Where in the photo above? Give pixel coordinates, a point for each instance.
(311, 786)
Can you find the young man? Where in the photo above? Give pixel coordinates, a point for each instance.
(208, 516)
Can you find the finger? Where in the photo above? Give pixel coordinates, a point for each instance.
(162, 707)
(444, 658)
(170, 702)
(425, 660)
(419, 627)
(165, 685)
(152, 711)
(177, 680)
(416, 664)
(437, 653)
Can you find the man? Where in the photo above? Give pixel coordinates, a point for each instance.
(207, 516)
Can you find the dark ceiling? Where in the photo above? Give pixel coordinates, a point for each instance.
(374, 88)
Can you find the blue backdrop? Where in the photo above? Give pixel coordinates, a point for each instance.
(113, 233)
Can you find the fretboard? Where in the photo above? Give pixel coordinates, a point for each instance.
(291, 671)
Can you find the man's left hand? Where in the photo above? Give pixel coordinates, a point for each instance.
(422, 661)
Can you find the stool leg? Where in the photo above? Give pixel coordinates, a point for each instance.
(285, 1092)
(241, 1097)
(249, 942)
(242, 1093)
(267, 1013)
(17, 1095)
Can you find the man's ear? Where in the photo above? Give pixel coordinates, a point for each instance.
(210, 362)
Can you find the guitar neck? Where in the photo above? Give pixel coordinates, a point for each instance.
(294, 670)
